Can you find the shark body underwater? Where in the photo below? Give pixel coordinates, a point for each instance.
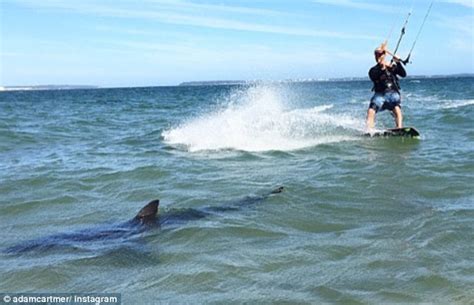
(146, 219)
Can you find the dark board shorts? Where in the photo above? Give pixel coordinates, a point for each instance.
(385, 101)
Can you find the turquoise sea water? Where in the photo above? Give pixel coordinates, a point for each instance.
(362, 220)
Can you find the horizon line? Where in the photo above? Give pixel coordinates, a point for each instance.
(45, 87)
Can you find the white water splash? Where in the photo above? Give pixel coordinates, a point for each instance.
(257, 119)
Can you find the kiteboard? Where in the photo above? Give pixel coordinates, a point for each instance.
(409, 132)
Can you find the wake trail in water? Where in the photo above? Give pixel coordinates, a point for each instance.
(259, 118)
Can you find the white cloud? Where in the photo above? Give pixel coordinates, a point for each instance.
(361, 5)
(170, 16)
(466, 3)
(461, 45)
(461, 34)
(220, 8)
(460, 25)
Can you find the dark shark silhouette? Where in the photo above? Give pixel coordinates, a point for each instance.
(146, 219)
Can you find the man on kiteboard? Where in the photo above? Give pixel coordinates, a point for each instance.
(384, 75)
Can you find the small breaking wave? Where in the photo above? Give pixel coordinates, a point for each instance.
(434, 102)
(451, 104)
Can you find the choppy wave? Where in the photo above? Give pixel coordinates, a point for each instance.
(450, 104)
(434, 102)
(260, 119)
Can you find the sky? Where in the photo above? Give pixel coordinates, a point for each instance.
(121, 43)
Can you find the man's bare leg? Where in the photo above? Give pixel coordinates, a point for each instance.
(370, 123)
(398, 116)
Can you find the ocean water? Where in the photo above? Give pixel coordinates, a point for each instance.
(361, 221)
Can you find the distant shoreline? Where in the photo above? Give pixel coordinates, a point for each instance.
(339, 79)
(220, 83)
(46, 87)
